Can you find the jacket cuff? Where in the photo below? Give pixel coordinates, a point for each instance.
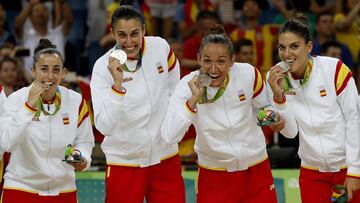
(353, 172)
(280, 105)
(116, 95)
(188, 111)
(26, 114)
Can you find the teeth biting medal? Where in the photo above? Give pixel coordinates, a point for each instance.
(204, 79)
(284, 65)
(119, 55)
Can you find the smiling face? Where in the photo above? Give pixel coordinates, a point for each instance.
(294, 50)
(215, 61)
(48, 70)
(129, 34)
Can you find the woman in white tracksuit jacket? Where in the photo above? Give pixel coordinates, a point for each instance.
(39, 122)
(323, 101)
(230, 146)
(130, 102)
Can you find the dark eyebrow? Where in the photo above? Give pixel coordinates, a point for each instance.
(123, 32)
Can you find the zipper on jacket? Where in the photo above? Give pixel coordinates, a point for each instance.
(150, 111)
(316, 131)
(228, 134)
(48, 154)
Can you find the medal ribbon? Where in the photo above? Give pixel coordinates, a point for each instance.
(218, 94)
(41, 108)
(287, 83)
(138, 64)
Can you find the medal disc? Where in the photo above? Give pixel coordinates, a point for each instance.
(285, 66)
(119, 55)
(204, 79)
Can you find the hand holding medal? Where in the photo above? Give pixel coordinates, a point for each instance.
(266, 117)
(116, 61)
(204, 80)
(36, 89)
(339, 194)
(287, 86)
(74, 158)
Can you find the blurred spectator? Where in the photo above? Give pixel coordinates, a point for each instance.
(324, 33)
(5, 35)
(263, 37)
(33, 23)
(75, 41)
(96, 23)
(320, 6)
(244, 51)
(291, 9)
(347, 27)
(204, 21)
(332, 49)
(187, 16)
(12, 75)
(162, 16)
(13, 8)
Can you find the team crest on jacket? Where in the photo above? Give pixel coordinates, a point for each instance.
(322, 91)
(65, 117)
(241, 95)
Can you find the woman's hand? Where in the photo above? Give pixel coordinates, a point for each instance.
(36, 89)
(79, 166)
(196, 90)
(276, 80)
(352, 185)
(278, 125)
(116, 71)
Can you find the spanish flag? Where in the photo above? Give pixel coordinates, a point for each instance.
(83, 112)
(160, 69)
(323, 93)
(342, 76)
(242, 97)
(66, 119)
(191, 10)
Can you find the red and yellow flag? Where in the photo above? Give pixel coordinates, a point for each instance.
(342, 76)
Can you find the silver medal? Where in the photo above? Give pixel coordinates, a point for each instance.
(119, 55)
(204, 79)
(285, 66)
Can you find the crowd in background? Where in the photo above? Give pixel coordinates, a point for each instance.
(82, 32)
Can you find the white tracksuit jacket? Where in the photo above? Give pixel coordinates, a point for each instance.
(228, 137)
(38, 147)
(327, 116)
(131, 121)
